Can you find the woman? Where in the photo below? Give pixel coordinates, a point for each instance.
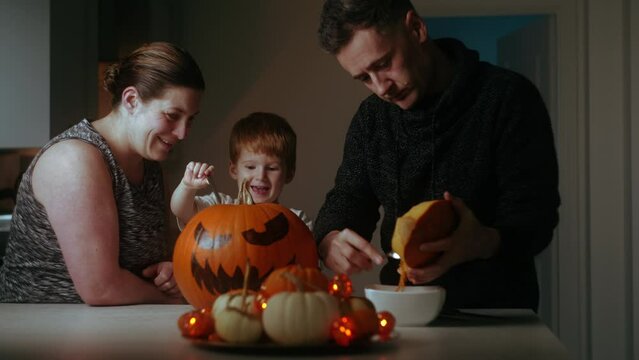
(88, 225)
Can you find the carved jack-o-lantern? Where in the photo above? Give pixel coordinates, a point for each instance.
(211, 252)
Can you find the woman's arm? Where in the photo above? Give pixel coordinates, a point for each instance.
(73, 183)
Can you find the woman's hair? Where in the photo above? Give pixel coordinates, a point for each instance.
(340, 18)
(265, 133)
(151, 69)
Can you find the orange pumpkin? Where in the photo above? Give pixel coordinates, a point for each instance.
(363, 312)
(311, 279)
(211, 252)
(424, 222)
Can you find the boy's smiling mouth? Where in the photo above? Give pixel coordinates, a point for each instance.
(260, 190)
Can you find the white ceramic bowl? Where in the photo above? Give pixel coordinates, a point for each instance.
(414, 306)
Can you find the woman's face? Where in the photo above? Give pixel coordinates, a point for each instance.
(160, 123)
(266, 173)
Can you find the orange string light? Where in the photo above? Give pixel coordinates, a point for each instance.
(341, 286)
(196, 323)
(386, 324)
(343, 330)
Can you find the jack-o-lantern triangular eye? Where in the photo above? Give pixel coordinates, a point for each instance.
(205, 241)
(276, 229)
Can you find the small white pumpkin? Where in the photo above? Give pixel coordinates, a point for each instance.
(236, 319)
(294, 318)
(234, 299)
(237, 326)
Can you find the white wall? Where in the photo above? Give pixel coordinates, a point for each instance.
(633, 66)
(610, 260)
(24, 70)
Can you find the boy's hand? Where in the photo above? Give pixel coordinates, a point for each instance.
(196, 175)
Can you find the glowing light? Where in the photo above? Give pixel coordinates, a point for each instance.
(386, 324)
(196, 323)
(343, 330)
(260, 302)
(341, 286)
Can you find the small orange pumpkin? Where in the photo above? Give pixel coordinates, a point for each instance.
(424, 222)
(363, 312)
(211, 251)
(311, 279)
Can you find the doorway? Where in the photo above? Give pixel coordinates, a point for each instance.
(525, 44)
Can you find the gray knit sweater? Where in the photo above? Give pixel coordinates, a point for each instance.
(488, 140)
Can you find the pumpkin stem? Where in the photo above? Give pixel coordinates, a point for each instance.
(295, 280)
(244, 195)
(247, 270)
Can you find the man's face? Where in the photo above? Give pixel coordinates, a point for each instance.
(392, 65)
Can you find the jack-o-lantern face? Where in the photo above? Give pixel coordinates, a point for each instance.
(211, 252)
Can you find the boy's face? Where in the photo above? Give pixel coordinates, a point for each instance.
(266, 172)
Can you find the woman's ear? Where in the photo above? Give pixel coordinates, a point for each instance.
(130, 99)
(416, 26)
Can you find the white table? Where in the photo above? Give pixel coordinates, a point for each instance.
(65, 331)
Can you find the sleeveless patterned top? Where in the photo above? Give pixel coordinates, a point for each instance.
(34, 269)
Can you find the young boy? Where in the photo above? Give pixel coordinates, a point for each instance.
(262, 149)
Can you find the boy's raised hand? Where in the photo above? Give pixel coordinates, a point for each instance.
(196, 175)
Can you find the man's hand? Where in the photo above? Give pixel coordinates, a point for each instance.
(196, 175)
(346, 252)
(162, 275)
(471, 240)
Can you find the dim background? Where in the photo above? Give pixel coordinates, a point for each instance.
(264, 56)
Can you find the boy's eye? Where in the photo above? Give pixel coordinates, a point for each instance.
(172, 116)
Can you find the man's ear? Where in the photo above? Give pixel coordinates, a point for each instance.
(233, 170)
(416, 27)
(130, 99)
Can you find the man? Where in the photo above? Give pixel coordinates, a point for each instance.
(441, 124)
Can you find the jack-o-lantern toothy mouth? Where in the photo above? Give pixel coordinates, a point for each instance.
(219, 282)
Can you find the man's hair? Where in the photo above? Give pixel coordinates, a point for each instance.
(266, 133)
(340, 18)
